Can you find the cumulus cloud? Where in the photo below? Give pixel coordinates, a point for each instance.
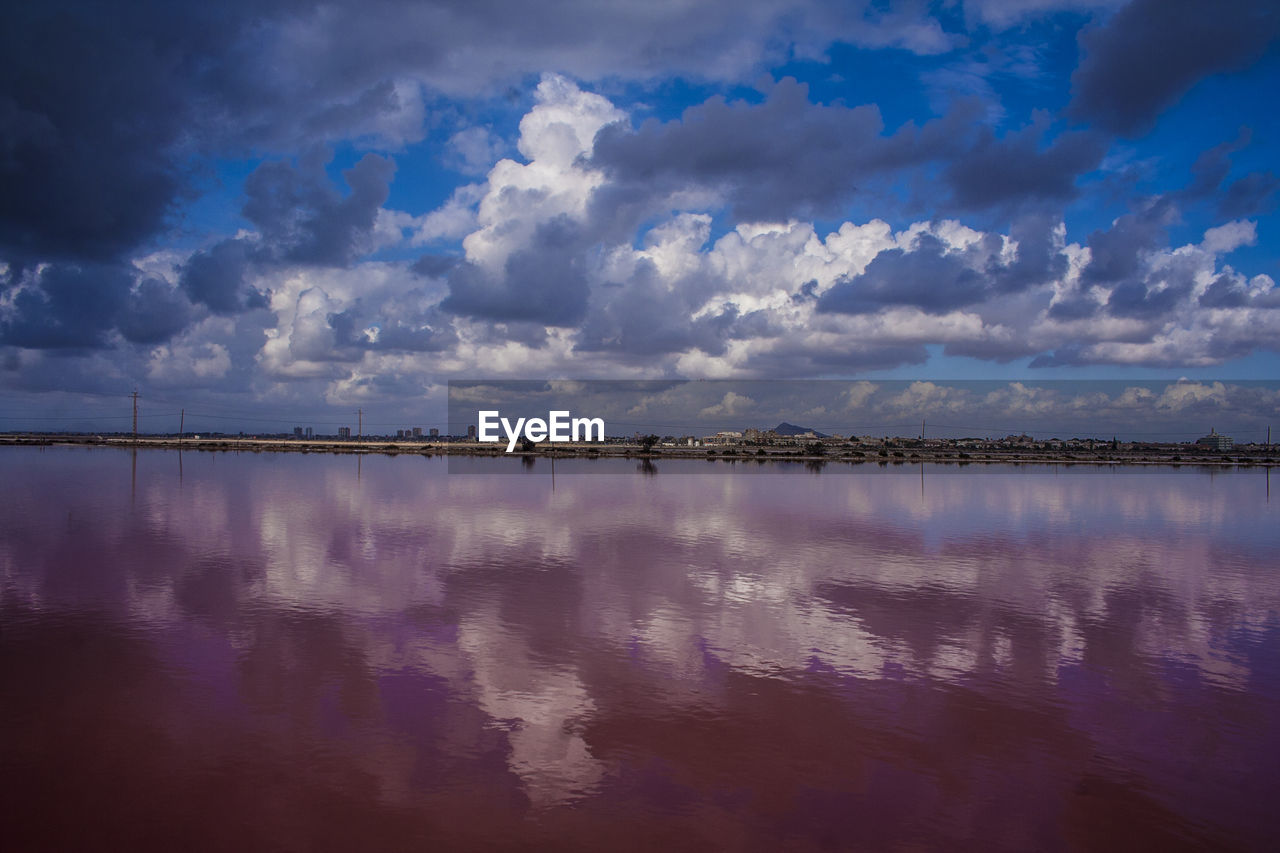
(66, 306)
(770, 298)
(218, 277)
(188, 365)
(92, 102)
(528, 258)
(1151, 52)
(731, 404)
(1020, 169)
(739, 238)
(154, 313)
(780, 158)
(474, 150)
(101, 107)
(928, 275)
(302, 218)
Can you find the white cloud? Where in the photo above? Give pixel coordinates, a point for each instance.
(453, 220)
(1229, 237)
(189, 362)
(559, 129)
(731, 404)
(475, 149)
(741, 304)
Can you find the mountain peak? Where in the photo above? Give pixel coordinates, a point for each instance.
(785, 428)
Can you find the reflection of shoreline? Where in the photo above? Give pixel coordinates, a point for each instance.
(1173, 456)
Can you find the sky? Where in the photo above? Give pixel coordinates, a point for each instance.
(277, 213)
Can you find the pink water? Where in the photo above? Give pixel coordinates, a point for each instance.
(294, 652)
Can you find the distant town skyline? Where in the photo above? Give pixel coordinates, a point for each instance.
(1132, 409)
(269, 215)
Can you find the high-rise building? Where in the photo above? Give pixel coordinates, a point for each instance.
(309, 433)
(344, 433)
(435, 433)
(417, 432)
(399, 433)
(297, 432)
(471, 432)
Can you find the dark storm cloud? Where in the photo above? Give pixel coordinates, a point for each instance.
(1248, 195)
(794, 358)
(1117, 259)
(102, 105)
(155, 312)
(1225, 292)
(93, 98)
(217, 277)
(1002, 351)
(1117, 252)
(409, 331)
(1074, 307)
(789, 157)
(1212, 166)
(936, 279)
(544, 283)
(647, 316)
(529, 334)
(481, 45)
(1156, 294)
(304, 219)
(1151, 52)
(1018, 168)
(781, 155)
(67, 306)
(1039, 258)
(928, 277)
(785, 156)
(435, 335)
(434, 266)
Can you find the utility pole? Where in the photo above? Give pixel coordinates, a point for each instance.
(182, 424)
(360, 424)
(922, 429)
(135, 415)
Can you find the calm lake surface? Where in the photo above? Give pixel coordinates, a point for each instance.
(305, 652)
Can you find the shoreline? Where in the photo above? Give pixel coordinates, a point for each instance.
(1262, 457)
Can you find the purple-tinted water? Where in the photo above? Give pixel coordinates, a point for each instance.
(314, 652)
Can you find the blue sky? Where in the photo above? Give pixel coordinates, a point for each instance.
(287, 211)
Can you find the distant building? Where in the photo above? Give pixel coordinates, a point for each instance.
(435, 433)
(344, 433)
(1215, 441)
(297, 432)
(471, 432)
(399, 433)
(308, 432)
(417, 432)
